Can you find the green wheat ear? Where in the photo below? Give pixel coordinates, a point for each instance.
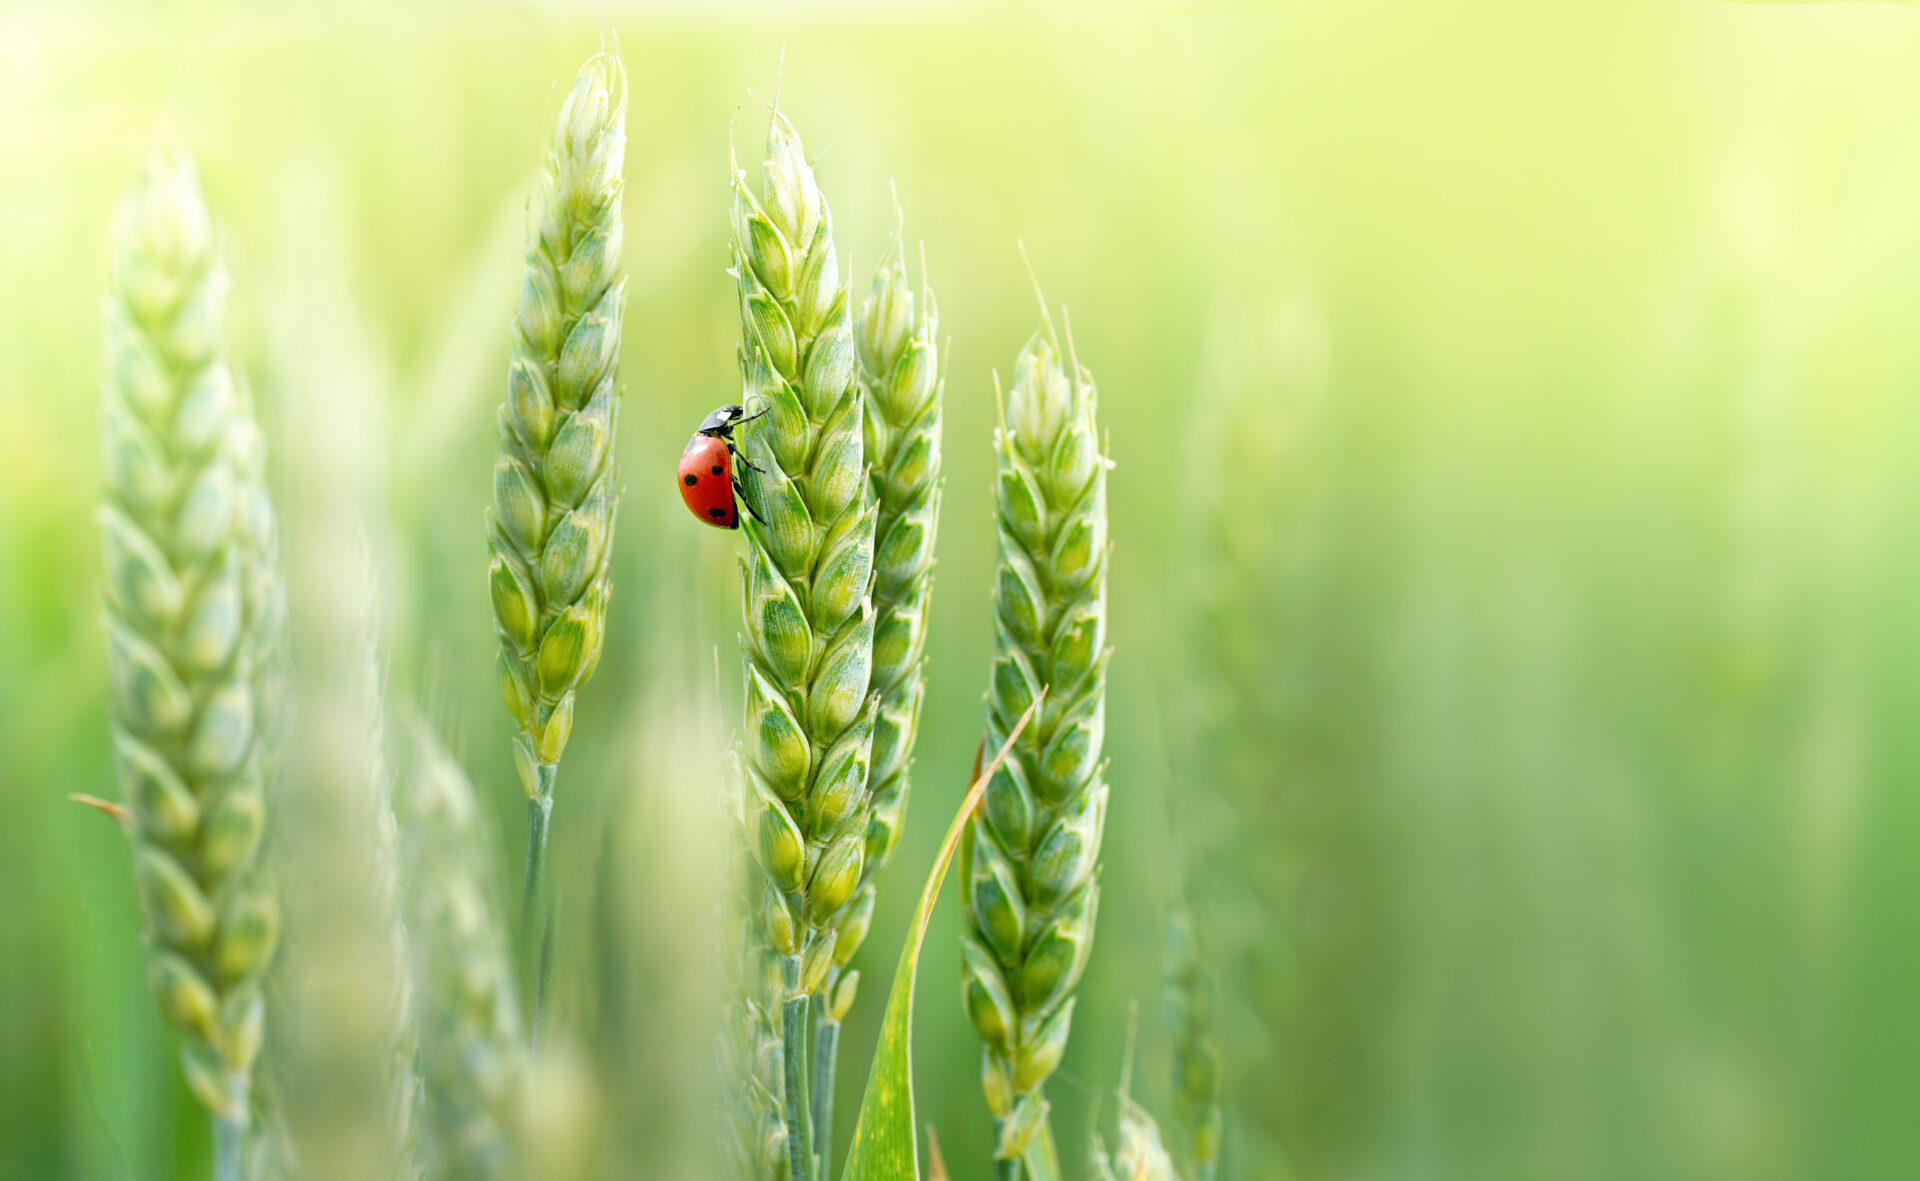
(470, 1048)
(555, 485)
(1027, 868)
(195, 614)
(806, 585)
(901, 380)
(808, 573)
(1193, 1025)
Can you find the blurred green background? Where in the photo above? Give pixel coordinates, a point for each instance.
(1513, 407)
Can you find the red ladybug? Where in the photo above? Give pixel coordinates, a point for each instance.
(706, 470)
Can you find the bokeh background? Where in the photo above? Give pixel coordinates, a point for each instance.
(1514, 593)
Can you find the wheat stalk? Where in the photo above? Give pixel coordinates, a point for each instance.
(555, 491)
(195, 614)
(900, 380)
(806, 582)
(1027, 866)
(470, 1049)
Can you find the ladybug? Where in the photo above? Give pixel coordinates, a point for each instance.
(706, 470)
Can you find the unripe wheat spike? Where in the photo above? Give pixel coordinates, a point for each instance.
(405, 1094)
(555, 485)
(470, 1050)
(1193, 1027)
(806, 585)
(195, 614)
(900, 380)
(1027, 866)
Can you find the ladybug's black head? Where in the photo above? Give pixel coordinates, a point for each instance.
(721, 422)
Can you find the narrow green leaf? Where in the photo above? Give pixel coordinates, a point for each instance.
(883, 1140)
(1043, 1162)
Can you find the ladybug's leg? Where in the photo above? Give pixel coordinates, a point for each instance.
(739, 455)
(740, 498)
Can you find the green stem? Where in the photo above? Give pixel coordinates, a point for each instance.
(826, 1048)
(1006, 1170)
(536, 909)
(793, 1055)
(230, 1135)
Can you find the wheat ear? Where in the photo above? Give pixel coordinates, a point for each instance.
(1027, 866)
(806, 584)
(1192, 1023)
(555, 490)
(900, 380)
(195, 614)
(405, 1093)
(470, 1049)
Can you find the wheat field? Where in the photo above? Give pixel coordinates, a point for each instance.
(1503, 766)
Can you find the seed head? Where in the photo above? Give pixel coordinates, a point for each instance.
(556, 485)
(1028, 865)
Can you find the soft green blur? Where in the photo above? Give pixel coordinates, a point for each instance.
(1614, 859)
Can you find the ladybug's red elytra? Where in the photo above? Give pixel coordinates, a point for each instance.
(706, 470)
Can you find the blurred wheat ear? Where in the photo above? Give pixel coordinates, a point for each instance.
(195, 617)
(470, 1049)
(1027, 867)
(555, 484)
(805, 587)
(1250, 812)
(405, 1090)
(1193, 1024)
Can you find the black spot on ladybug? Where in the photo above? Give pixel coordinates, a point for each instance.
(717, 469)
(692, 480)
(716, 513)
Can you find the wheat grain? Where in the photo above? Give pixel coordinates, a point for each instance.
(806, 585)
(470, 1049)
(195, 614)
(1027, 867)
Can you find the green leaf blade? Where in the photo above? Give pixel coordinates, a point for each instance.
(883, 1139)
